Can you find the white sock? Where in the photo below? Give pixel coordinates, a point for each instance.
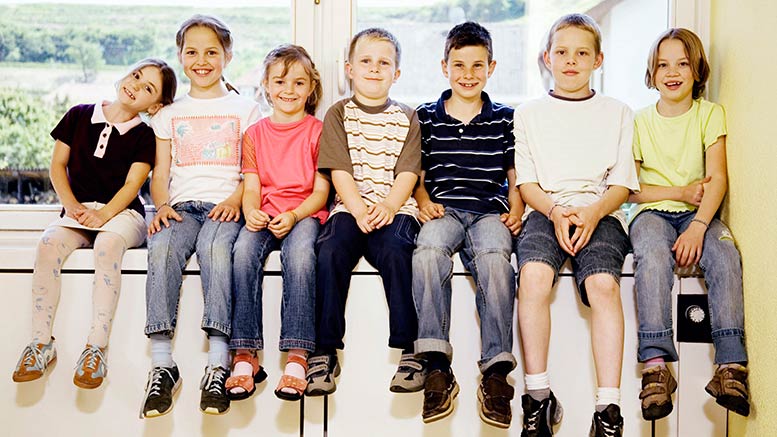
(538, 385)
(218, 351)
(606, 396)
(294, 369)
(161, 351)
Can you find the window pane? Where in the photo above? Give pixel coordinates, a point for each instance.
(518, 30)
(58, 54)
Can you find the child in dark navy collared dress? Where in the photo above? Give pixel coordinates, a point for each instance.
(102, 155)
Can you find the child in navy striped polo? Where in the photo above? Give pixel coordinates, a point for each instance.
(467, 156)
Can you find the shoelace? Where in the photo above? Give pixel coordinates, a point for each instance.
(91, 355)
(608, 429)
(32, 357)
(214, 380)
(155, 386)
(531, 421)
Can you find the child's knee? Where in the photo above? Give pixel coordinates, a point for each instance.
(602, 289)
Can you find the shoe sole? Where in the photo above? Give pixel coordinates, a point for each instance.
(260, 376)
(32, 377)
(656, 412)
(448, 411)
(81, 384)
(487, 419)
(395, 388)
(323, 392)
(156, 413)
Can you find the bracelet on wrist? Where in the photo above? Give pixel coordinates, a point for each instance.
(164, 204)
(706, 225)
(550, 211)
(293, 214)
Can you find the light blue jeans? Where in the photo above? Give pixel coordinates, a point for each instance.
(484, 244)
(298, 264)
(168, 251)
(652, 235)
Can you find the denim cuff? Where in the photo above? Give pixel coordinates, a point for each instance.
(434, 345)
(502, 357)
(226, 329)
(287, 344)
(729, 346)
(246, 343)
(160, 328)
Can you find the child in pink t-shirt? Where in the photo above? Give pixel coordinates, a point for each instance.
(284, 204)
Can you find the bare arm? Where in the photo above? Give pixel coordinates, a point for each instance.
(427, 209)
(691, 194)
(58, 174)
(284, 222)
(587, 218)
(541, 202)
(127, 193)
(512, 219)
(160, 182)
(382, 213)
(346, 189)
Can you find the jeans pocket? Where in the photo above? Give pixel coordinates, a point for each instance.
(406, 229)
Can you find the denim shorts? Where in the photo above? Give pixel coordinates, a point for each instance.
(604, 253)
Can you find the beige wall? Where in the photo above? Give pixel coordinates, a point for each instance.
(744, 72)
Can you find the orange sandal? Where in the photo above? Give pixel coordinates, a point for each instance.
(246, 382)
(297, 384)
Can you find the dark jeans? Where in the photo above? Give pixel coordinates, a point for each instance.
(390, 250)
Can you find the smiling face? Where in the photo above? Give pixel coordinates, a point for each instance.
(288, 92)
(204, 60)
(571, 59)
(373, 69)
(141, 90)
(468, 70)
(673, 74)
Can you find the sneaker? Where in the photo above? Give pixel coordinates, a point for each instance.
(729, 388)
(322, 371)
(213, 396)
(35, 358)
(410, 375)
(91, 368)
(495, 394)
(440, 389)
(163, 383)
(658, 384)
(608, 423)
(539, 417)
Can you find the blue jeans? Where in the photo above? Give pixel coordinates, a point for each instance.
(388, 249)
(652, 234)
(484, 244)
(168, 251)
(298, 264)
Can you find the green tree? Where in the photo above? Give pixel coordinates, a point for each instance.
(26, 121)
(88, 55)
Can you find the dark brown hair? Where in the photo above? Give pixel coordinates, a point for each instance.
(217, 26)
(468, 34)
(169, 81)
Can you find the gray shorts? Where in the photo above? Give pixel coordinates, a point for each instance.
(604, 252)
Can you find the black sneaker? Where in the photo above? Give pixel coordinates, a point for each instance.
(213, 397)
(539, 417)
(163, 383)
(440, 389)
(608, 423)
(322, 370)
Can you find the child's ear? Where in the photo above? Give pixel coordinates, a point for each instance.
(227, 58)
(396, 74)
(599, 60)
(546, 60)
(444, 65)
(491, 66)
(349, 70)
(153, 109)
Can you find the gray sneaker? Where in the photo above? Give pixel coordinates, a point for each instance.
(410, 375)
(322, 370)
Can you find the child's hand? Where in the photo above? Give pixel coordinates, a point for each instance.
(694, 192)
(513, 223)
(363, 221)
(163, 217)
(92, 218)
(585, 220)
(430, 211)
(688, 246)
(561, 225)
(74, 210)
(256, 220)
(282, 224)
(380, 215)
(225, 212)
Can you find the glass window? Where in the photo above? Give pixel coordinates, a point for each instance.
(518, 29)
(57, 54)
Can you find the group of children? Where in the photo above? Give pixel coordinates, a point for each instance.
(411, 188)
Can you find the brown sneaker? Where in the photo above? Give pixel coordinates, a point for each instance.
(91, 368)
(440, 389)
(658, 384)
(495, 394)
(35, 358)
(729, 388)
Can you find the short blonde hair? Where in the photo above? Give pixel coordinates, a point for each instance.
(694, 51)
(378, 34)
(581, 21)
